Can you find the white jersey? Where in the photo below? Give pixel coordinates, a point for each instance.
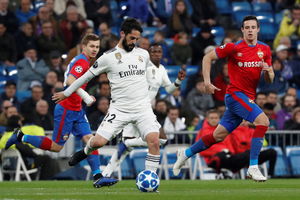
(157, 77)
(126, 72)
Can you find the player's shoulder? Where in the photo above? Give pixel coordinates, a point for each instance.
(141, 51)
(262, 44)
(80, 59)
(110, 51)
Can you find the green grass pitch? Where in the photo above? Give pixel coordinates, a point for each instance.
(281, 189)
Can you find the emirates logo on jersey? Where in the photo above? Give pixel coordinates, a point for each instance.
(260, 54)
(78, 69)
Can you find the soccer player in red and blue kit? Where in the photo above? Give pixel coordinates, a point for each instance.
(247, 59)
(69, 117)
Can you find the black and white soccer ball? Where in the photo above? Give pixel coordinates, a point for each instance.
(147, 181)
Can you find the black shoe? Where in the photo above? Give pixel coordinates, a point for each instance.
(77, 157)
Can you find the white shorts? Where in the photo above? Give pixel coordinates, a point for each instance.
(131, 130)
(115, 120)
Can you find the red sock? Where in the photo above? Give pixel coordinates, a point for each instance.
(209, 140)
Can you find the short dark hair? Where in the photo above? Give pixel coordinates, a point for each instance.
(89, 37)
(250, 17)
(9, 83)
(130, 24)
(268, 106)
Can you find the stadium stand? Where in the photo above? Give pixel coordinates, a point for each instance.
(13, 164)
(293, 155)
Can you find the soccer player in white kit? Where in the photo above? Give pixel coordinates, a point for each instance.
(125, 66)
(157, 77)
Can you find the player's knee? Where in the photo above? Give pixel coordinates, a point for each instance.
(220, 137)
(98, 141)
(153, 142)
(262, 120)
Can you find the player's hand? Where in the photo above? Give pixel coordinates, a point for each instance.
(182, 73)
(267, 68)
(210, 88)
(59, 96)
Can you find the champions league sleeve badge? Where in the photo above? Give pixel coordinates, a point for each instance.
(118, 57)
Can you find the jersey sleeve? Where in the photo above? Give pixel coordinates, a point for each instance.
(148, 63)
(224, 50)
(79, 68)
(100, 66)
(165, 79)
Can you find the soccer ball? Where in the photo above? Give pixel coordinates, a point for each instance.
(147, 181)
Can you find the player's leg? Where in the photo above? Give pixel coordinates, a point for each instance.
(62, 127)
(108, 129)
(114, 162)
(82, 130)
(227, 124)
(129, 132)
(248, 110)
(202, 144)
(149, 129)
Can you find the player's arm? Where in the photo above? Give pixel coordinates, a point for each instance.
(268, 73)
(87, 76)
(88, 99)
(206, 67)
(170, 88)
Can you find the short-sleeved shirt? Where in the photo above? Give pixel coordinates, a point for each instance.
(126, 72)
(244, 65)
(77, 67)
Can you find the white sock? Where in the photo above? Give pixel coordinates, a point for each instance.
(135, 142)
(162, 141)
(88, 149)
(253, 166)
(114, 163)
(152, 162)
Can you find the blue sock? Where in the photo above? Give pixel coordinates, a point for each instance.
(33, 140)
(195, 148)
(94, 163)
(256, 144)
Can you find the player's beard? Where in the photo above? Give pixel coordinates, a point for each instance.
(126, 46)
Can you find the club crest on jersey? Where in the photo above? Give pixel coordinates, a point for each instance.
(260, 54)
(239, 54)
(141, 59)
(78, 69)
(153, 73)
(118, 57)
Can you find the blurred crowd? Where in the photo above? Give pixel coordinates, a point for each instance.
(38, 38)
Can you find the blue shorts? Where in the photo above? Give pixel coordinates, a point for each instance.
(239, 107)
(68, 121)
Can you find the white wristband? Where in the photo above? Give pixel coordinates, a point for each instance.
(85, 96)
(177, 82)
